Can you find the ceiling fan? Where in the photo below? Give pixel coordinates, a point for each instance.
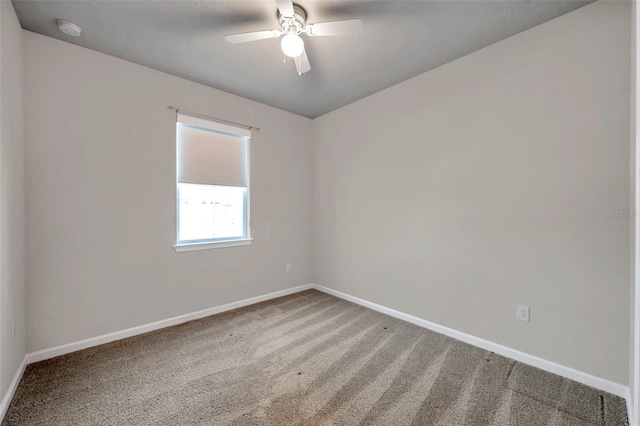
(293, 20)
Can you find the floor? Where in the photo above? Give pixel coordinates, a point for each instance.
(304, 359)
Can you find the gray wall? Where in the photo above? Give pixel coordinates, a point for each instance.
(12, 222)
(484, 184)
(100, 163)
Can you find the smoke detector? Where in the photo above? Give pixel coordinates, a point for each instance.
(69, 28)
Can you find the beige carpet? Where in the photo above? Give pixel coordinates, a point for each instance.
(304, 359)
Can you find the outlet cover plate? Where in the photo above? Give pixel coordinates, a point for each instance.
(522, 313)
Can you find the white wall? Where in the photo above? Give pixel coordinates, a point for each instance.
(483, 184)
(12, 223)
(453, 196)
(101, 215)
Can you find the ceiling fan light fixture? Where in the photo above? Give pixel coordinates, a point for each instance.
(292, 45)
(293, 21)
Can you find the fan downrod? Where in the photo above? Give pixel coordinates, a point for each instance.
(299, 19)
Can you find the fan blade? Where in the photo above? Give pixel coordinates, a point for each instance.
(348, 27)
(302, 63)
(285, 7)
(252, 36)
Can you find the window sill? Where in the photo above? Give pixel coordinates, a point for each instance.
(212, 245)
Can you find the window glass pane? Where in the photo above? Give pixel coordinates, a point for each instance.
(209, 212)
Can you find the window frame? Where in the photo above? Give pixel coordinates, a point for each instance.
(204, 244)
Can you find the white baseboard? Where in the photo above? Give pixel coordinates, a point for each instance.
(550, 366)
(543, 364)
(118, 335)
(6, 400)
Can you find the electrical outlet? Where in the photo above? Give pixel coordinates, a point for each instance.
(13, 331)
(288, 267)
(522, 313)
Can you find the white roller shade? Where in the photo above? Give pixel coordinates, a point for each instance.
(213, 125)
(211, 153)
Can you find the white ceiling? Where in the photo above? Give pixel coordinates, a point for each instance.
(399, 40)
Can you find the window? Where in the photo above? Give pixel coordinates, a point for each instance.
(212, 184)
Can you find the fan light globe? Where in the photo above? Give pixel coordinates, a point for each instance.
(292, 45)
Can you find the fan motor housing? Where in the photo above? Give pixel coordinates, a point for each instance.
(299, 18)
